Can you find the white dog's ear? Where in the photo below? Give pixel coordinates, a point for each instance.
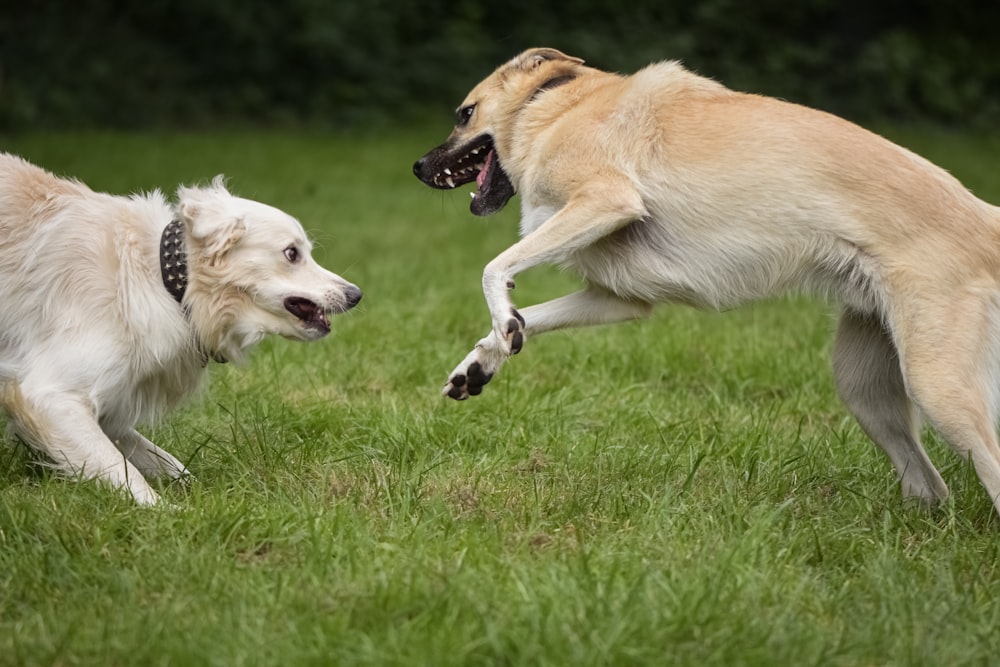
(211, 220)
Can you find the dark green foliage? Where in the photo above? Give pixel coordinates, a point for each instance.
(189, 62)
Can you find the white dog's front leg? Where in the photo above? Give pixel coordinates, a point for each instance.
(151, 460)
(64, 428)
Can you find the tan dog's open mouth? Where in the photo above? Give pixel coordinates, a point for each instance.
(447, 167)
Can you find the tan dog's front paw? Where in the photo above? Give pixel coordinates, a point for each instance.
(478, 368)
(470, 383)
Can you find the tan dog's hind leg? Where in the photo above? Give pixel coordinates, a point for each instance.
(586, 218)
(951, 372)
(870, 383)
(65, 430)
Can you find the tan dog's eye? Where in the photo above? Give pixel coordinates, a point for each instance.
(292, 254)
(465, 113)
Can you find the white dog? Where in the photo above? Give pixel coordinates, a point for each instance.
(111, 308)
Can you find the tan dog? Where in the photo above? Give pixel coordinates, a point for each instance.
(111, 307)
(664, 186)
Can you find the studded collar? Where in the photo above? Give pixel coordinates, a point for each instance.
(173, 270)
(173, 260)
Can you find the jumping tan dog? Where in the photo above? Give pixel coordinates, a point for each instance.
(664, 186)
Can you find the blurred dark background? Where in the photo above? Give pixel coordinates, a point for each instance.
(203, 63)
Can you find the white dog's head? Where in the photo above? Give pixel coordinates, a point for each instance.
(251, 273)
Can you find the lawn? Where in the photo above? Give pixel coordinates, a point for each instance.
(685, 490)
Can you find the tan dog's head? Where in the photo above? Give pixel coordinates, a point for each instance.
(483, 131)
(251, 273)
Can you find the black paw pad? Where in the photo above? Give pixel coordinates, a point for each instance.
(458, 380)
(477, 378)
(458, 393)
(516, 342)
(517, 315)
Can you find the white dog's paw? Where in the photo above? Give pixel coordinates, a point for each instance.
(478, 368)
(153, 461)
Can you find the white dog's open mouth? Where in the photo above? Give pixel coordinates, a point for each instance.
(310, 314)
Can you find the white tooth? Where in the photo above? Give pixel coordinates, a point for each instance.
(472, 194)
(447, 171)
(450, 182)
(475, 151)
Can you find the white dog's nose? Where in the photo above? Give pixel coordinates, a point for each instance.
(352, 295)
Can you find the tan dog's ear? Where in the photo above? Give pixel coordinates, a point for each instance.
(532, 58)
(213, 226)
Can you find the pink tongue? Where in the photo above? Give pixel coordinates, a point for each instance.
(482, 174)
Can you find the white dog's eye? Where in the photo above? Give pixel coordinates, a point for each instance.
(292, 254)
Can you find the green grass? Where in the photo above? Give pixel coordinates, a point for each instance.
(685, 490)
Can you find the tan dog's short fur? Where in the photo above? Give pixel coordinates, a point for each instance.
(92, 342)
(664, 186)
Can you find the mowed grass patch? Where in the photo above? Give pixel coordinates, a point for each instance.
(683, 490)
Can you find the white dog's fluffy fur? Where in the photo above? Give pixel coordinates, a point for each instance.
(92, 343)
